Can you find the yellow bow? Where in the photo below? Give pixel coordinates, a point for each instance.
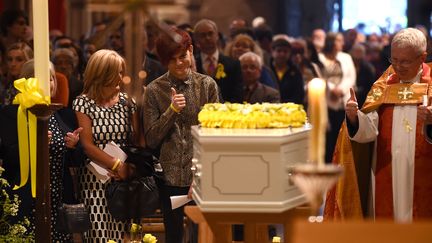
(30, 95)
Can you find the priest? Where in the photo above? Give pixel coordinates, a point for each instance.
(386, 147)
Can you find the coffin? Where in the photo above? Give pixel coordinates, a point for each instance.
(245, 170)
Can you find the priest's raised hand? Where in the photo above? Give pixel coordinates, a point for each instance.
(351, 108)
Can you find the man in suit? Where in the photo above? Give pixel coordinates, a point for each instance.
(254, 91)
(210, 61)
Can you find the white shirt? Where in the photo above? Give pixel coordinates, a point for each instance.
(348, 79)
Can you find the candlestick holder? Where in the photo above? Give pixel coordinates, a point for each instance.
(43, 193)
(314, 181)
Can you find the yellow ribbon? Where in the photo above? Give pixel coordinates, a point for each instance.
(220, 71)
(29, 95)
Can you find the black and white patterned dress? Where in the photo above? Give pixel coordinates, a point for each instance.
(108, 124)
(57, 150)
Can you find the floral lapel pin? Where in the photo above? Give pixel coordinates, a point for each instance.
(220, 71)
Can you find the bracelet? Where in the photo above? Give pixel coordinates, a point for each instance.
(116, 165)
(174, 109)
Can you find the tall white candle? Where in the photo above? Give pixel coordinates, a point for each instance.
(317, 107)
(41, 44)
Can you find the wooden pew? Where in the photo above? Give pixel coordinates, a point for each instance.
(362, 232)
(216, 227)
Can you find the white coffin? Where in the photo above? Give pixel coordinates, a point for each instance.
(245, 170)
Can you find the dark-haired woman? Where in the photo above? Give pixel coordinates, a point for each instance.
(340, 74)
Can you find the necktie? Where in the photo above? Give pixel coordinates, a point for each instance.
(211, 66)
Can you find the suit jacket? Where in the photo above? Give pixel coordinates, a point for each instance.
(10, 160)
(76, 87)
(231, 86)
(153, 68)
(262, 93)
(9, 143)
(365, 79)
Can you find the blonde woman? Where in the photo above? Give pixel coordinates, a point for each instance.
(105, 114)
(243, 43)
(64, 152)
(16, 55)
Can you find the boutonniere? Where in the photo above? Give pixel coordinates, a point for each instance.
(220, 71)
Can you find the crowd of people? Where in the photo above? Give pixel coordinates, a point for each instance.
(187, 66)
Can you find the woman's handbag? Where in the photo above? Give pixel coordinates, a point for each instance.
(132, 199)
(138, 196)
(73, 218)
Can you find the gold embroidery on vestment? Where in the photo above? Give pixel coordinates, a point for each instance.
(407, 125)
(405, 93)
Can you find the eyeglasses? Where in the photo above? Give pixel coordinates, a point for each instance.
(250, 67)
(202, 35)
(404, 63)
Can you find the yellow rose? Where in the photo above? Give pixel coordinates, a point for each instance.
(134, 228)
(149, 238)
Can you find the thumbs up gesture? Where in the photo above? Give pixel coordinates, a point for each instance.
(178, 101)
(351, 107)
(72, 138)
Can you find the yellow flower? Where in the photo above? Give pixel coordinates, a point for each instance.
(134, 228)
(220, 71)
(149, 238)
(111, 241)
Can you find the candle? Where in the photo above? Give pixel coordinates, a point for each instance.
(41, 45)
(317, 107)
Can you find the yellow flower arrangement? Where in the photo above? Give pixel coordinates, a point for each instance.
(252, 116)
(220, 71)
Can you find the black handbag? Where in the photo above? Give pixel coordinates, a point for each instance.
(132, 199)
(136, 197)
(73, 218)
